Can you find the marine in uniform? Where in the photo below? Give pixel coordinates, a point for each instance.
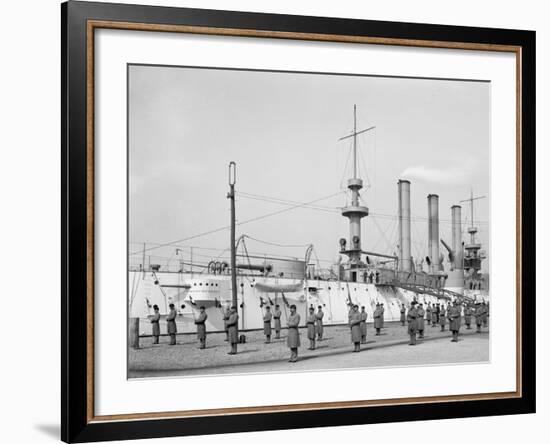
(485, 317)
(310, 324)
(293, 338)
(226, 313)
(403, 316)
(355, 325)
(171, 324)
(319, 322)
(155, 324)
(435, 311)
(233, 330)
(413, 324)
(442, 318)
(200, 322)
(277, 321)
(468, 317)
(363, 325)
(420, 320)
(454, 316)
(479, 316)
(377, 315)
(267, 324)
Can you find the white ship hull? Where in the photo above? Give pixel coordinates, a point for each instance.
(214, 292)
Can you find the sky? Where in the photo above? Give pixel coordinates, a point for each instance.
(282, 130)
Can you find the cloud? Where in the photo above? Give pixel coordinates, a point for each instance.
(455, 175)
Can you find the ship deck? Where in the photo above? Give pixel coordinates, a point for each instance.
(390, 349)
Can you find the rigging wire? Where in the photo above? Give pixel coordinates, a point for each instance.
(254, 219)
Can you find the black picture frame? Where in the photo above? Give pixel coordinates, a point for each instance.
(76, 423)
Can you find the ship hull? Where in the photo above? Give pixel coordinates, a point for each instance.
(189, 291)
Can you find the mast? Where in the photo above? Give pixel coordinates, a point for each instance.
(354, 212)
(472, 259)
(231, 197)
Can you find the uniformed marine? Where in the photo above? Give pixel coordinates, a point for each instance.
(200, 322)
(310, 324)
(267, 324)
(363, 325)
(171, 324)
(377, 315)
(454, 317)
(155, 324)
(277, 321)
(420, 320)
(413, 324)
(319, 322)
(293, 338)
(355, 326)
(233, 330)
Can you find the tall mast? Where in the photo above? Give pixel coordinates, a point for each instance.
(231, 196)
(355, 141)
(354, 212)
(472, 259)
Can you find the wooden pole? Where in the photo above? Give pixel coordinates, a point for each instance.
(133, 333)
(231, 197)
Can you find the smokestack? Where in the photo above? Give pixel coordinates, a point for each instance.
(433, 231)
(404, 208)
(456, 212)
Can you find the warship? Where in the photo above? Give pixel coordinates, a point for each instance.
(359, 276)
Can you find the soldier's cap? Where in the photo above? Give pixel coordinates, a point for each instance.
(268, 307)
(155, 307)
(171, 306)
(276, 305)
(293, 306)
(319, 306)
(202, 307)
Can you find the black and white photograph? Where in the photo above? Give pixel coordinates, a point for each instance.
(285, 221)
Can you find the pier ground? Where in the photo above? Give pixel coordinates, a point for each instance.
(389, 349)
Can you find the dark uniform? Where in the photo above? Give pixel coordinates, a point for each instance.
(420, 320)
(155, 325)
(413, 324)
(277, 322)
(354, 323)
(479, 317)
(442, 318)
(377, 315)
(319, 323)
(200, 322)
(293, 338)
(454, 316)
(403, 316)
(382, 315)
(310, 323)
(363, 325)
(435, 315)
(468, 317)
(267, 325)
(171, 324)
(485, 316)
(233, 330)
(226, 314)
(429, 313)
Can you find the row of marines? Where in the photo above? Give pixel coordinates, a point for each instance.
(415, 317)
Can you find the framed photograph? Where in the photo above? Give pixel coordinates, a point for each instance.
(275, 221)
